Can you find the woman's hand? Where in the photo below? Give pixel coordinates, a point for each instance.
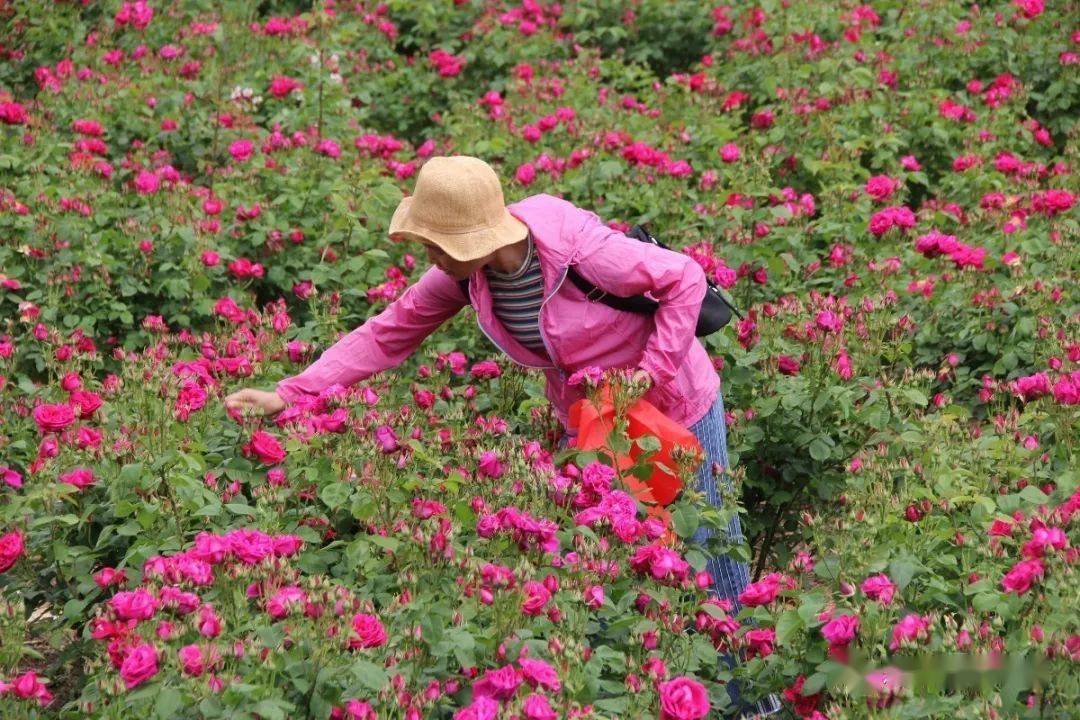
(269, 403)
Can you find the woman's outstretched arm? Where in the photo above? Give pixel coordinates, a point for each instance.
(383, 341)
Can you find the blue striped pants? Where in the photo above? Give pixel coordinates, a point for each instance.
(729, 576)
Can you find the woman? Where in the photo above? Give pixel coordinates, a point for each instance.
(515, 259)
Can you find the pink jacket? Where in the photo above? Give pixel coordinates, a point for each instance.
(577, 332)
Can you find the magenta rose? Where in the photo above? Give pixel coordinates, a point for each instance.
(368, 632)
(762, 592)
(52, 418)
(134, 604)
(191, 660)
(500, 684)
(266, 447)
(86, 402)
(911, 628)
(537, 707)
(683, 699)
(79, 477)
(140, 664)
(539, 674)
(286, 599)
(1023, 574)
(12, 547)
(880, 588)
(250, 546)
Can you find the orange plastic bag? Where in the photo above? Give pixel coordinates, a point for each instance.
(595, 421)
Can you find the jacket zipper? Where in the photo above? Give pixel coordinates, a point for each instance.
(540, 328)
(504, 351)
(540, 325)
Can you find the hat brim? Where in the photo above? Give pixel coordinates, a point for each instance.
(463, 247)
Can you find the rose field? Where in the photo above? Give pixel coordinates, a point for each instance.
(194, 199)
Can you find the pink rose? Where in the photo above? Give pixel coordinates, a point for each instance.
(839, 632)
(762, 592)
(86, 402)
(489, 465)
(911, 628)
(266, 447)
(51, 418)
(191, 660)
(11, 477)
(285, 600)
(27, 686)
(594, 596)
(367, 632)
(134, 604)
(884, 684)
(12, 547)
(140, 664)
(500, 684)
(683, 699)
(209, 624)
(880, 588)
(537, 707)
(525, 173)
(729, 153)
(759, 643)
(1022, 575)
(481, 708)
(241, 150)
(79, 477)
(250, 546)
(539, 674)
(536, 598)
(881, 187)
(485, 369)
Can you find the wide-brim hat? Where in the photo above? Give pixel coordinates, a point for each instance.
(458, 205)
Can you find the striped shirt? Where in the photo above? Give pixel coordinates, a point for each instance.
(516, 298)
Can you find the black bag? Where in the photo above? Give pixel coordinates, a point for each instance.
(715, 310)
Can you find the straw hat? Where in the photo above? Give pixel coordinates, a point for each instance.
(458, 205)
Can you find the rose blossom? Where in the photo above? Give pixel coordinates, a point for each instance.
(51, 418)
(266, 447)
(140, 664)
(12, 547)
(762, 592)
(839, 632)
(1022, 575)
(498, 684)
(910, 629)
(367, 632)
(683, 698)
(880, 588)
(539, 674)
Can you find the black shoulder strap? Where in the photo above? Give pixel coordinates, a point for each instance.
(636, 303)
(464, 285)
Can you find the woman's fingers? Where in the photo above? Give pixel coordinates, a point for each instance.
(239, 399)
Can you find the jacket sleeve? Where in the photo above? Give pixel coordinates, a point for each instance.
(383, 341)
(624, 266)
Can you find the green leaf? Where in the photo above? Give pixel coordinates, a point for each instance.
(335, 494)
(787, 625)
(168, 702)
(902, 570)
(1033, 495)
(915, 396)
(819, 449)
(685, 520)
(368, 674)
